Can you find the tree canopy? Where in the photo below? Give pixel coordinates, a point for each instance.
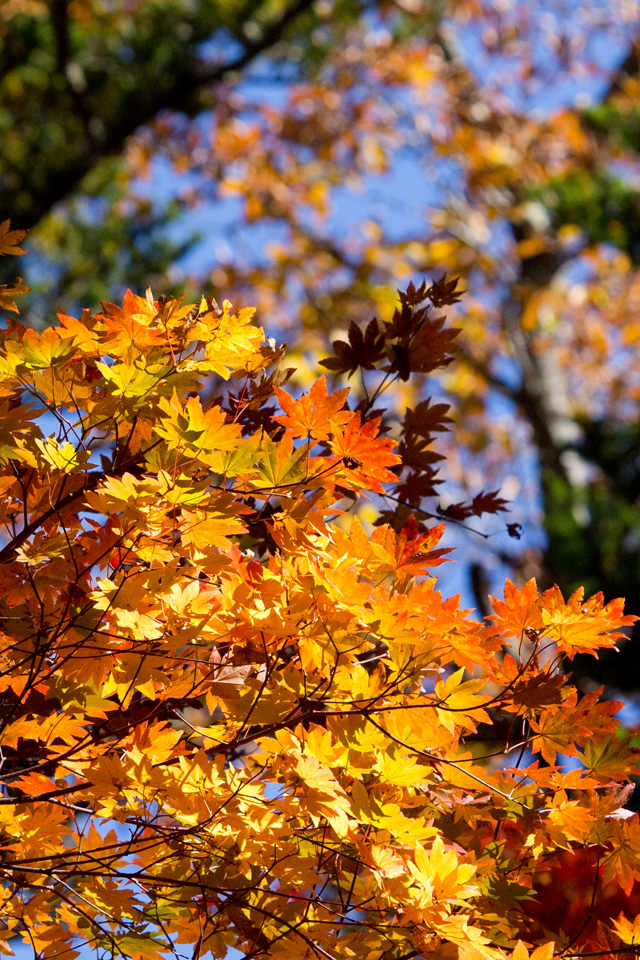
(512, 180)
(231, 715)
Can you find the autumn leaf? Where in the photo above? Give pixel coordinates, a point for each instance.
(203, 431)
(519, 611)
(427, 418)
(562, 729)
(432, 346)
(10, 239)
(541, 690)
(10, 290)
(544, 952)
(440, 874)
(612, 758)
(623, 863)
(582, 626)
(362, 350)
(627, 930)
(488, 503)
(314, 414)
(364, 455)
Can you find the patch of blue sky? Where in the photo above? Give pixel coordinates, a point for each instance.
(224, 239)
(221, 47)
(573, 47)
(274, 790)
(161, 185)
(629, 713)
(397, 199)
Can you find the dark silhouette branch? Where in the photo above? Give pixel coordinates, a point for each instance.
(185, 95)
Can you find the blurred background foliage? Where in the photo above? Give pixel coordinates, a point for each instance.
(310, 157)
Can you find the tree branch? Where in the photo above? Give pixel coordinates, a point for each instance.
(185, 96)
(60, 21)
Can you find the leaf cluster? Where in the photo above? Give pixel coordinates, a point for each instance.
(232, 717)
(413, 342)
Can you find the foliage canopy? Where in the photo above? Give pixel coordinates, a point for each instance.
(281, 112)
(232, 717)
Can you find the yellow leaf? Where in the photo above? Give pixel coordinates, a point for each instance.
(9, 239)
(627, 930)
(10, 290)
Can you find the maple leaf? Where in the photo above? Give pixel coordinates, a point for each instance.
(612, 758)
(562, 729)
(40, 351)
(541, 690)
(545, 952)
(80, 330)
(205, 528)
(456, 511)
(488, 503)
(9, 240)
(623, 862)
(444, 292)
(10, 290)
(363, 351)
(519, 611)
(432, 346)
(141, 947)
(279, 464)
(413, 550)
(459, 704)
(627, 930)
(413, 296)
(579, 626)
(315, 413)
(231, 341)
(131, 326)
(365, 456)
(427, 418)
(568, 821)
(440, 874)
(204, 431)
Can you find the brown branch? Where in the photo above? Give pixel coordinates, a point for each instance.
(60, 22)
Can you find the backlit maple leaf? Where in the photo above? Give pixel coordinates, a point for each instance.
(365, 455)
(313, 414)
(518, 611)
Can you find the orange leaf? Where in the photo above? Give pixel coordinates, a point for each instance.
(314, 414)
(518, 611)
(367, 456)
(580, 626)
